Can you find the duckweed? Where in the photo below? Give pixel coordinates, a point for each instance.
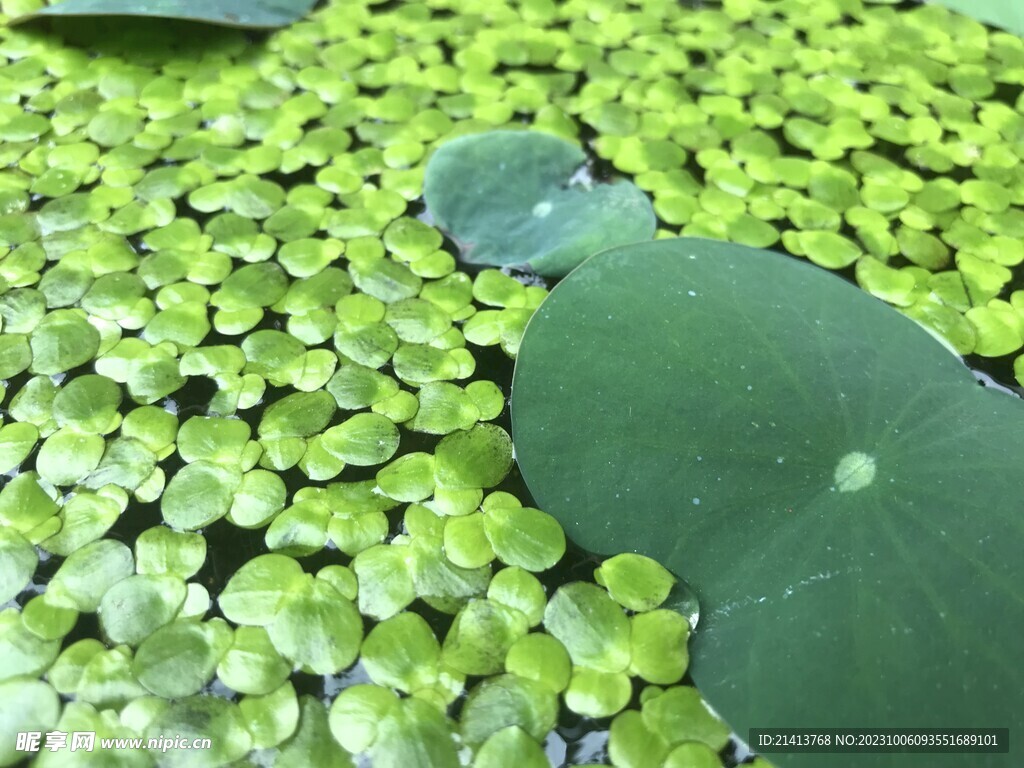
(223, 312)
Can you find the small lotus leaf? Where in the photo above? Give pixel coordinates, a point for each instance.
(813, 458)
(443, 408)
(526, 180)
(258, 499)
(299, 530)
(301, 414)
(24, 503)
(408, 478)
(161, 550)
(212, 439)
(693, 754)
(68, 456)
(442, 584)
(355, 386)
(126, 463)
(16, 442)
(22, 652)
(632, 744)
(465, 541)
(61, 341)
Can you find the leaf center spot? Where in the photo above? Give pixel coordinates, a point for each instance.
(854, 471)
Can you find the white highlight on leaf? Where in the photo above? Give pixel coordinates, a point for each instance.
(542, 209)
(854, 471)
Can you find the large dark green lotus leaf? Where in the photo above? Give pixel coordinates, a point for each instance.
(998, 13)
(842, 494)
(509, 198)
(261, 14)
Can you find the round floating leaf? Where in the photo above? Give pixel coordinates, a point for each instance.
(312, 743)
(482, 187)
(632, 744)
(85, 576)
(199, 494)
(255, 592)
(524, 537)
(160, 550)
(511, 746)
(88, 404)
(402, 653)
(18, 560)
(504, 701)
(363, 440)
(179, 659)
(634, 581)
(385, 581)
(24, 503)
(540, 657)
(300, 414)
(782, 457)
(658, 651)
(597, 694)
(63, 340)
(476, 458)
(137, 606)
(202, 717)
(414, 732)
(591, 626)
(318, 629)
(356, 714)
(679, 715)
(252, 665)
(26, 706)
(271, 718)
(480, 637)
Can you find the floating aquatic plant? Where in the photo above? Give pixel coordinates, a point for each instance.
(849, 496)
(537, 214)
(258, 14)
(205, 237)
